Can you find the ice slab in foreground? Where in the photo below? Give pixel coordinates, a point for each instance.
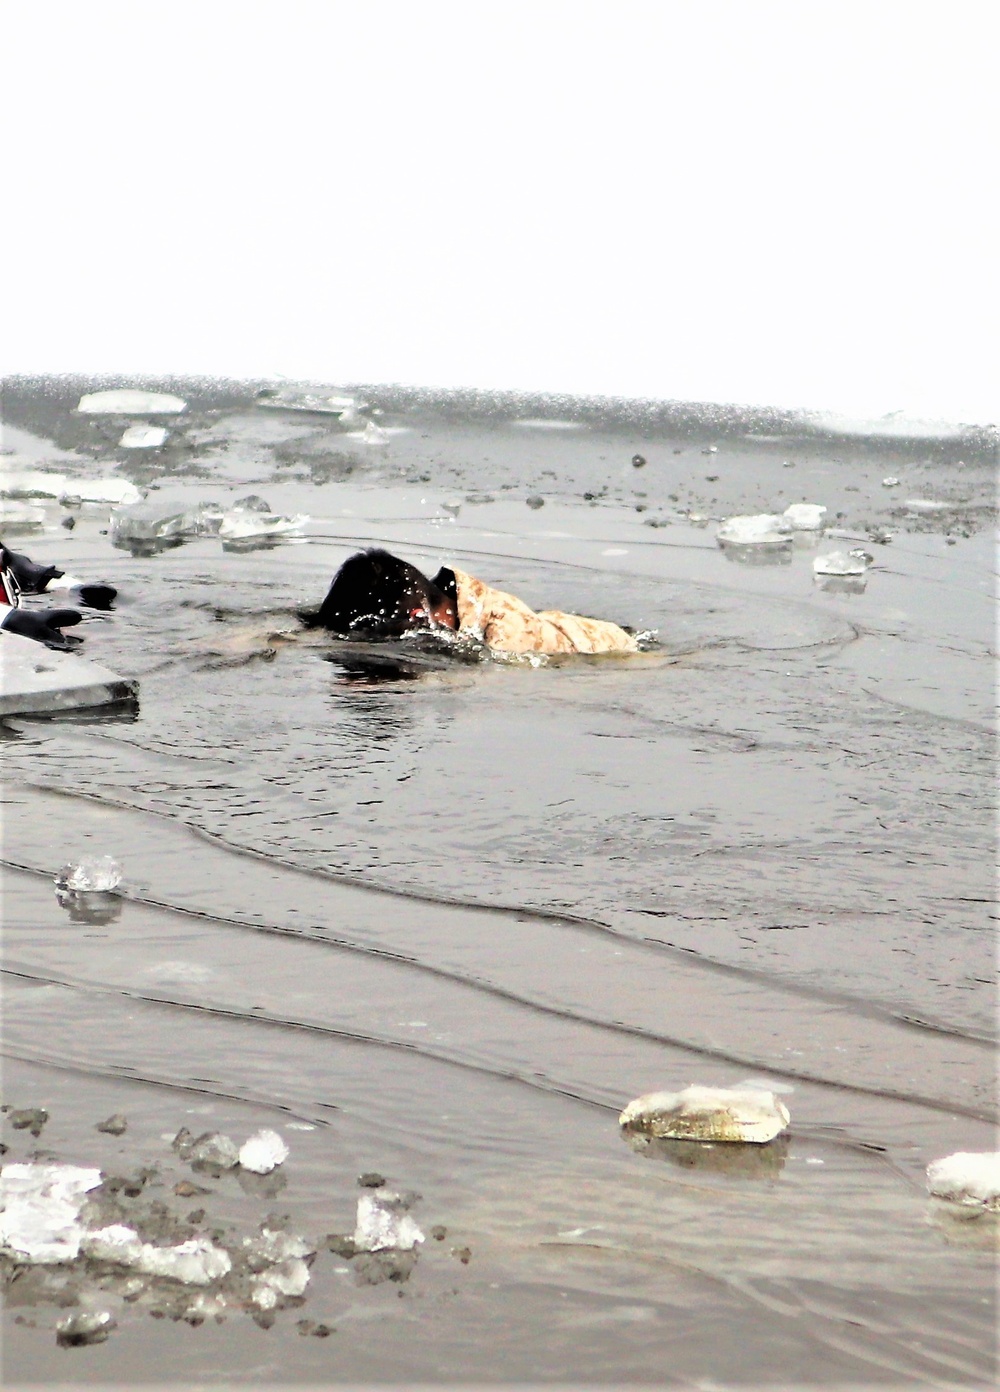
(968, 1177)
(126, 401)
(40, 1217)
(708, 1114)
(805, 517)
(841, 563)
(36, 680)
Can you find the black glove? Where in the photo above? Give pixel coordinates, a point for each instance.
(43, 625)
(31, 577)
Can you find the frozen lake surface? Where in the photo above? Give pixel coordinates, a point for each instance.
(442, 919)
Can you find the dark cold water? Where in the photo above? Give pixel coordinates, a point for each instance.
(441, 917)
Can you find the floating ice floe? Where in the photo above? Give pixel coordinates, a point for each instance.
(115, 1243)
(244, 525)
(295, 399)
(805, 517)
(384, 1222)
(93, 874)
(21, 517)
(196, 1262)
(143, 437)
(284, 1278)
(890, 481)
(270, 1247)
(41, 1204)
(263, 1152)
(127, 401)
(855, 562)
(968, 1177)
(708, 1114)
(84, 1327)
(761, 529)
(211, 1148)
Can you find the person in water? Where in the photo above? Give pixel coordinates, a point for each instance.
(378, 595)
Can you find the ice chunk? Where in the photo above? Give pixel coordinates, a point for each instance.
(854, 562)
(286, 1278)
(116, 1243)
(761, 529)
(805, 517)
(143, 437)
(195, 1263)
(383, 1221)
(93, 874)
(296, 399)
(242, 524)
(272, 1247)
(968, 1177)
(84, 1327)
(41, 1206)
(890, 481)
(262, 1152)
(31, 483)
(708, 1114)
(21, 517)
(213, 1148)
(128, 402)
(155, 522)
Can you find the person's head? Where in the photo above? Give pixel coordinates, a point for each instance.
(376, 593)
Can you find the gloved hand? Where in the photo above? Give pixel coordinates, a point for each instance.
(44, 626)
(31, 577)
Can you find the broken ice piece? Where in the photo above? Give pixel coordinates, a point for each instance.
(126, 401)
(143, 437)
(761, 529)
(708, 1114)
(805, 517)
(84, 1327)
(40, 1209)
(242, 524)
(285, 1278)
(92, 875)
(116, 1243)
(272, 1247)
(212, 1148)
(115, 1125)
(262, 1152)
(854, 562)
(195, 1262)
(968, 1177)
(383, 1221)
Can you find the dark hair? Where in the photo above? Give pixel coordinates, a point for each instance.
(375, 592)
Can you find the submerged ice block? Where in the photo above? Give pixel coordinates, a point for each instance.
(708, 1114)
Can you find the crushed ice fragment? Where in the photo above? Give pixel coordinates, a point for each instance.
(805, 517)
(143, 437)
(761, 529)
(116, 1243)
(92, 875)
(384, 1222)
(84, 1327)
(41, 1207)
(708, 1114)
(129, 402)
(212, 1148)
(28, 1119)
(968, 1177)
(854, 562)
(284, 1278)
(196, 1262)
(262, 1152)
(890, 482)
(270, 1247)
(244, 525)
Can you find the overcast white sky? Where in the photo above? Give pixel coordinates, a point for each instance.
(789, 203)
